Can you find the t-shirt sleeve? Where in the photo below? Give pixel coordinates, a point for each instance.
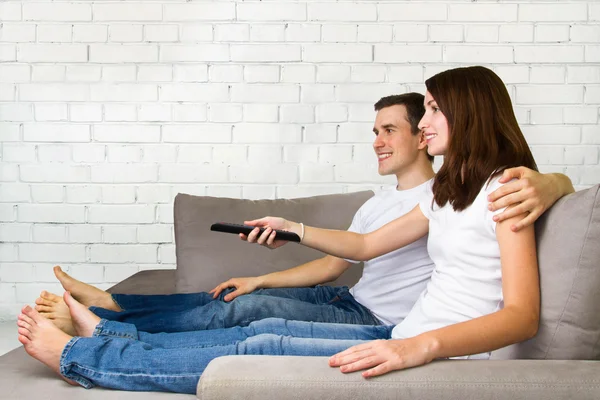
(356, 227)
(489, 188)
(426, 204)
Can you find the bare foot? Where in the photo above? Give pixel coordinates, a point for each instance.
(87, 295)
(84, 320)
(56, 310)
(42, 340)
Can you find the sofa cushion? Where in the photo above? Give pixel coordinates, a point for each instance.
(568, 241)
(206, 258)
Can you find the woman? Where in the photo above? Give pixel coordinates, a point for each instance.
(483, 295)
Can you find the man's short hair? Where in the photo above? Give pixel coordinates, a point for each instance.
(413, 102)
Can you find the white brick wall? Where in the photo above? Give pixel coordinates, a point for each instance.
(109, 109)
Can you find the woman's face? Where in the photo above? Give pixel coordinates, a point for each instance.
(435, 127)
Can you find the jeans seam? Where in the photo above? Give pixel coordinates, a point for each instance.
(63, 369)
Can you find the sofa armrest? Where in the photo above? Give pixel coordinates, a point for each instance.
(155, 281)
(268, 377)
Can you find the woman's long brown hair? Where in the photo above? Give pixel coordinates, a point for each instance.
(484, 136)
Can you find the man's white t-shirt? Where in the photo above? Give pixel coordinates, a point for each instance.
(391, 284)
(467, 280)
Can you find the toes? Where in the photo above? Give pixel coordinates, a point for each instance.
(34, 315)
(24, 324)
(44, 309)
(24, 340)
(25, 318)
(51, 297)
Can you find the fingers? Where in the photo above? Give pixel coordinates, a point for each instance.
(380, 369)
(504, 190)
(232, 295)
(257, 222)
(525, 222)
(512, 173)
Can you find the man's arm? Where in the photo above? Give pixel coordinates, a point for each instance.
(315, 272)
(532, 194)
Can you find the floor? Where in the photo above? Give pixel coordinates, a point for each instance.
(8, 336)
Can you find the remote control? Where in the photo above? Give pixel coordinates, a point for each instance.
(246, 229)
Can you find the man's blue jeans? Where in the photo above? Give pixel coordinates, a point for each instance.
(118, 356)
(199, 311)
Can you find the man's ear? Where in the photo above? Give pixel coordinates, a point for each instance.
(422, 141)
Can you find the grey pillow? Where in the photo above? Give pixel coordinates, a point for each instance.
(568, 242)
(206, 258)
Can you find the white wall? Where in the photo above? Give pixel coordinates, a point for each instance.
(109, 108)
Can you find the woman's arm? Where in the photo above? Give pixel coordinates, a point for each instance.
(517, 321)
(344, 244)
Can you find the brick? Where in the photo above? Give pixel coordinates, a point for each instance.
(15, 73)
(54, 173)
(42, 132)
(271, 12)
(197, 52)
(482, 33)
(412, 12)
(283, 174)
(583, 74)
(127, 12)
(7, 92)
(195, 154)
(363, 153)
(151, 194)
(230, 155)
(193, 173)
(224, 191)
(119, 234)
(258, 192)
(547, 115)
(303, 33)
(317, 93)
(86, 273)
(189, 112)
(18, 112)
(154, 112)
(124, 173)
(40, 213)
(18, 152)
(552, 33)
(225, 113)
(354, 172)
(232, 33)
(579, 155)
(120, 112)
(331, 113)
(335, 154)
(260, 93)
(53, 92)
(115, 53)
(10, 11)
(155, 73)
(194, 92)
(125, 33)
(266, 133)
(121, 214)
(155, 234)
(316, 173)
(342, 12)
(333, 73)
(585, 33)
(590, 175)
(300, 154)
(54, 153)
(124, 92)
(51, 193)
(67, 12)
(52, 53)
(161, 33)
(200, 12)
(548, 54)
(592, 94)
(483, 12)
(15, 193)
(548, 154)
(196, 32)
(17, 272)
(592, 53)
(368, 73)
(361, 112)
(261, 113)
(50, 112)
(49, 233)
(88, 152)
(48, 73)
(118, 73)
(549, 94)
(397, 53)
(552, 12)
(353, 132)
(366, 92)
(17, 32)
(8, 52)
(51, 252)
(267, 33)
(590, 135)
(261, 73)
(123, 254)
(225, 73)
(513, 73)
(86, 112)
(547, 74)
(337, 53)
(83, 73)
(439, 33)
(264, 155)
(375, 33)
(339, 33)
(92, 33)
(320, 133)
(127, 133)
(54, 33)
(159, 153)
(294, 192)
(83, 194)
(298, 73)
(7, 212)
(201, 133)
(479, 54)
(581, 115)
(9, 173)
(265, 52)
(166, 253)
(552, 134)
(117, 273)
(297, 114)
(116, 153)
(520, 33)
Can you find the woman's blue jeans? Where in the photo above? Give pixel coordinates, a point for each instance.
(118, 356)
(199, 311)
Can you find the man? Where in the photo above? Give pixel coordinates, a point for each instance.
(390, 284)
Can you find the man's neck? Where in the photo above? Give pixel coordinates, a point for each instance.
(414, 177)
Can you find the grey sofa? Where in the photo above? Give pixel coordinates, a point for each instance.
(561, 362)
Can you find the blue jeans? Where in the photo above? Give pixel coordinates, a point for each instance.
(199, 311)
(118, 356)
